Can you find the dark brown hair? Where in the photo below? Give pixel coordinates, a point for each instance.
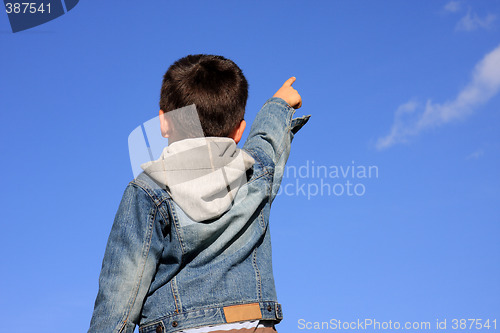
(216, 86)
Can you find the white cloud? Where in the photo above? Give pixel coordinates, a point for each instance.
(475, 155)
(412, 118)
(471, 21)
(452, 6)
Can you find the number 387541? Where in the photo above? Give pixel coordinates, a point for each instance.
(27, 8)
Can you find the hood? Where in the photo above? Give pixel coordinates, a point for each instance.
(202, 175)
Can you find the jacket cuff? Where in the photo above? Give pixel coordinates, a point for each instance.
(297, 123)
(280, 101)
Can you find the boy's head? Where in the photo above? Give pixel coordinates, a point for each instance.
(215, 85)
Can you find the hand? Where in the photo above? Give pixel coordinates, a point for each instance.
(289, 94)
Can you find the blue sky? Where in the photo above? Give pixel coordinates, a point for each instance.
(410, 88)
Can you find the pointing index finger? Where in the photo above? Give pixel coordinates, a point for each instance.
(289, 82)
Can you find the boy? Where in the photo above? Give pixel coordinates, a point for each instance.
(190, 246)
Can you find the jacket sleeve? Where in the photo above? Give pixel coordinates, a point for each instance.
(132, 253)
(272, 132)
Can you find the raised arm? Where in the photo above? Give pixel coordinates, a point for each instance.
(273, 129)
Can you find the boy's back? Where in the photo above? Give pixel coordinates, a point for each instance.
(190, 245)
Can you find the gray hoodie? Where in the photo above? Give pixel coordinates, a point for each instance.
(202, 175)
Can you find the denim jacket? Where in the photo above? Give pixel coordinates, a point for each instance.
(173, 263)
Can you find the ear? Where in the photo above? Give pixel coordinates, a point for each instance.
(238, 131)
(164, 125)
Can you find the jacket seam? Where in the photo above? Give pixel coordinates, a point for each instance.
(147, 190)
(144, 257)
(257, 275)
(289, 116)
(175, 293)
(261, 219)
(157, 202)
(165, 217)
(288, 130)
(175, 222)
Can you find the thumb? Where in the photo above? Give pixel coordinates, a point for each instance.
(289, 82)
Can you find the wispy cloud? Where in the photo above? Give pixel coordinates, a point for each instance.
(453, 6)
(475, 155)
(412, 118)
(471, 21)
